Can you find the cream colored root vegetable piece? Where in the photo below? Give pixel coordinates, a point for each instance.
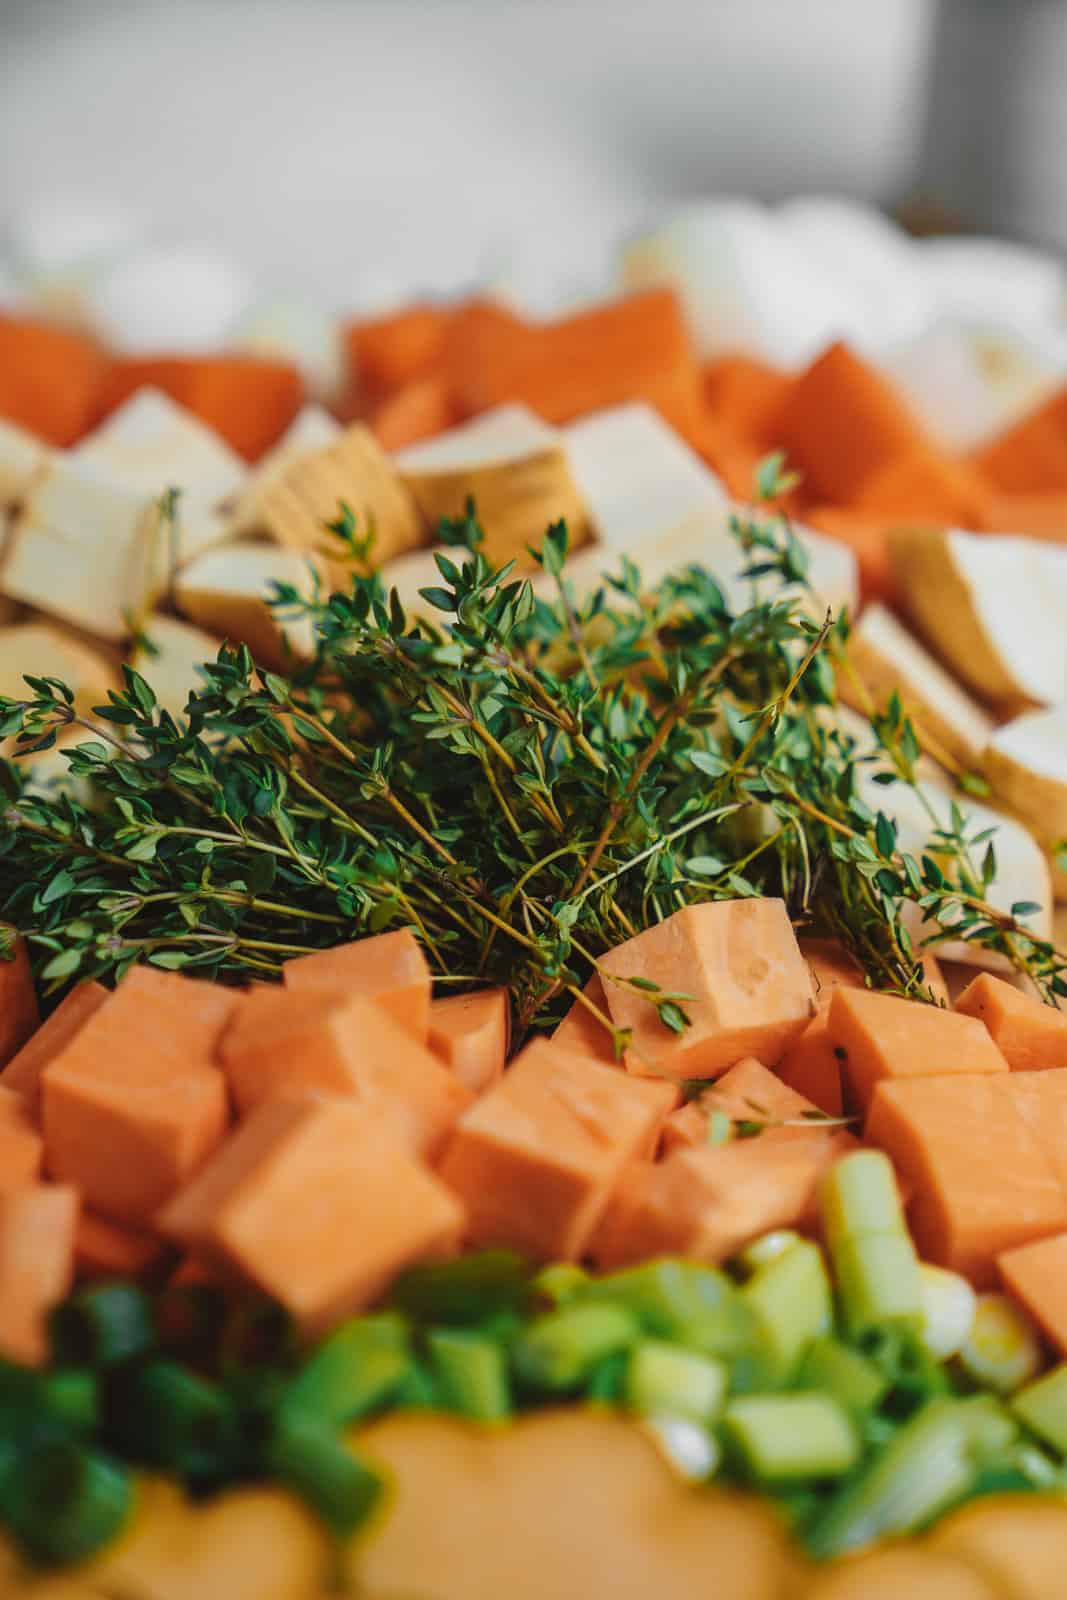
(1025, 763)
(886, 659)
(515, 469)
(48, 650)
(354, 469)
(22, 455)
(227, 591)
(151, 443)
(170, 667)
(312, 429)
(417, 570)
(637, 476)
(642, 1533)
(85, 547)
(987, 606)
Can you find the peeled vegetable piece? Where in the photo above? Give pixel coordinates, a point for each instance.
(37, 1224)
(1025, 762)
(469, 1032)
(983, 604)
(23, 1071)
(1031, 1035)
(21, 1147)
(1018, 1542)
(740, 977)
(228, 591)
(389, 968)
(638, 1533)
(18, 1002)
(1036, 1274)
(536, 1159)
(151, 444)
(286, 1203)
(913, 1571)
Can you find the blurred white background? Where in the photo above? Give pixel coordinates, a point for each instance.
(352, 150)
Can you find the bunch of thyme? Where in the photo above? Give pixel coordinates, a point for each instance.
(526, 783)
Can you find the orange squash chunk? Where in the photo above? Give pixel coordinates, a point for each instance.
(418, 411)
(535, 1161)
(1029, 1034)
(1031, 456)
(878, 1036)
(133, 1104)
(924, 483)
(749, 1093)
(21, 1146)
(470, 1034)
(748, 985)
(23, 1071)
(37, 1223)
(248, 401)
(317, 1205)
(50, 378)
(1036, 1274)
(105, 1249)
(19, 1015)
(981, 1176)
(580, 1031)
(841, 423)
(389, 968)
(1038, 516)
(385, 353)
(745, 393)
(281, 1041)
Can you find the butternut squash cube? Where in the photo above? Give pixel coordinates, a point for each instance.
(387, 967)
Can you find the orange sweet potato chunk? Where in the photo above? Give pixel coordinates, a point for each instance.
(386, 353)
(281, 1041)
(745, 393)
(1036, 1274)
(751, 1094)
(51, 378)
(708, 1202)
(1031, 456)
(247, 400)
(1030, 1035)
(749, 989)
(580, 1031)
(470, 1034)
(19, 1015)
(841, 423)
(21, 1146)
(981, 1178)
(105, 1249)
(878, 1036)
(810, 1067)
(389, 968)
(536, 1160)
(417, 411)
(37, 1223)
(134, 1103)
(23, 1071)
(317, 1206)
(924, 483)
(1037, 516)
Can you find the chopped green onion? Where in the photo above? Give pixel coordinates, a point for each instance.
(559, 1283)
(762, 1251)
(663, 1380)
(102, 1326)
(559, 1350)
(836, 1369)
(72, 1398)
(66, 1502)
(683, 1301)
(311, 1458)
(690, 1450)
(858, 1196)
(471, 1373)
(466, 1290)
(358, 1367)
(1042, 1405)
(947, 1306)
(790, 1296)
(1003, 1348)
(175, 1419)
(877, 1281)
(786, 1438)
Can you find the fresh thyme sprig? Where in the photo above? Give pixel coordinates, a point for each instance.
(526, 783)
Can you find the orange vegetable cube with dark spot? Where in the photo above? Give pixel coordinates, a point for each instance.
(747, 985)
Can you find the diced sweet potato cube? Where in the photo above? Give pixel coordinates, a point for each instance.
(37, 1225)
(708, 1203)
(18, 1002)
(840, 423)
(982, 1180)
(745, 393)
(388, 352)
(1030, 1035)
(810, 1067)
(418, 411)
(470, 1034)
(580, 1031)
(1032, 455)
(281, 1041)
(389, 968)
(535, 1161)
(104, 1249)
(1036, 1274)
(50, 378)
(23, 1071)
(133, 1104)
(878, 1036)
(925, 483)
(21, 1147)
(317, 1205)
(748, 987)
(750, 1095)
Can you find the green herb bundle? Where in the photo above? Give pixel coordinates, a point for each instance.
(527, 783)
